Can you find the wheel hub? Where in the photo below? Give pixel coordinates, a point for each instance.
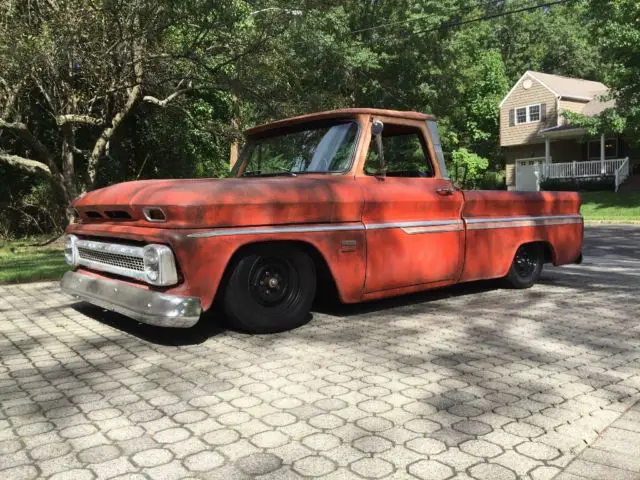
(270, 281)
(525, 263)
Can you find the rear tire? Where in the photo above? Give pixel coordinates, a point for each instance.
(270, 289)
(526, 267)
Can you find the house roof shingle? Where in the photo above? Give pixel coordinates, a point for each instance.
(597, 106)
(570, 87)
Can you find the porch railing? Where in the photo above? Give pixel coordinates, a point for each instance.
(622, 173)
(595, 168)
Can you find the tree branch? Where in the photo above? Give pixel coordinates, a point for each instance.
(41, 152)
(44, 93)
(134, 93)
(25, 163)
(78, 119)
(44, 160)
(163, 103)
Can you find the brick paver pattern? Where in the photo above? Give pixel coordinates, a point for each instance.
(615, 454)
(470, 382)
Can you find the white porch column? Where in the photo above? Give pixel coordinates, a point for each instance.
(602, 141)
(547, 150)
(547, 158)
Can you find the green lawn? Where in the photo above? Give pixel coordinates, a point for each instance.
(611, 206)
(21, 261)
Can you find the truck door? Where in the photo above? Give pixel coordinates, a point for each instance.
(412, 216)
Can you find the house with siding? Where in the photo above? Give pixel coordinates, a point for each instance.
(538, 142)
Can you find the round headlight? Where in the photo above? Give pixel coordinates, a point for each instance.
(151, 259)
(151, 256)
(151, 274)
(159, 265)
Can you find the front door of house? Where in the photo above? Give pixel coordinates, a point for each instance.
(527, 173)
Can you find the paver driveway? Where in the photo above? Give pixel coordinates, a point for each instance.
(474, 381)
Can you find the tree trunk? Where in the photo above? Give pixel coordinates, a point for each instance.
(68, 169)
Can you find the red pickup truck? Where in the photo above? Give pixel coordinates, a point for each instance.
(358, 199)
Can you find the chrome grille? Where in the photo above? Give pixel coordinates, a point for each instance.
(121, 259)
(114, 259)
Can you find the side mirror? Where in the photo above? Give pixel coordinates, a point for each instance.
(377, 127)
(376, 131)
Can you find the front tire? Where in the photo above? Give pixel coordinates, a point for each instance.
(526, 267)
(270, 289)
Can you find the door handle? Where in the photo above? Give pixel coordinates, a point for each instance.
(445, 191)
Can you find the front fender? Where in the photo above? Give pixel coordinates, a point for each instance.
(203, 256)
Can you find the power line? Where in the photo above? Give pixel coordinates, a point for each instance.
(422, 17)
(445, 26)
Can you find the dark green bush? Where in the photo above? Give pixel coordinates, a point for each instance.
(492, 181)
(593, 184)
(29, 204)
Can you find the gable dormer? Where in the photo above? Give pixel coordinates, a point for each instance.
(530, 106)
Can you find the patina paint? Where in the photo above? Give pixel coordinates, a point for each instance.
(379, 236)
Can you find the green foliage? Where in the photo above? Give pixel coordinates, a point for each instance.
(608, 122)
(596, 184)
(618, 34)
(28, 205)
(492, 181)
(245, 63)
(467, 169)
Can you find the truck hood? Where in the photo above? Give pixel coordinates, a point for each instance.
(205, 203)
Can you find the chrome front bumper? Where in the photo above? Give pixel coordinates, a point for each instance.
(153, 308)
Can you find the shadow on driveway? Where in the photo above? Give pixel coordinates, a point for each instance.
(201, 332)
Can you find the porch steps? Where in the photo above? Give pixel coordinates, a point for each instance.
(631, 184)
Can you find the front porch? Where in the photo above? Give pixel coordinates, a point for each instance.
(617, 168)
(578, 158)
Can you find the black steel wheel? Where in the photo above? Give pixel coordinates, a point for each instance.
(273, 281)
(270, 289)
(527, 266)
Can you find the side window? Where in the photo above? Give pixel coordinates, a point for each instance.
(405, 154)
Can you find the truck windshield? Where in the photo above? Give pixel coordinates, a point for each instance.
(316, 149)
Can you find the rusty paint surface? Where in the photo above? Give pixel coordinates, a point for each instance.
(403, 234)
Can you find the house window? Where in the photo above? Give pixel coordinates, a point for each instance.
(529, 114)
(610, 148)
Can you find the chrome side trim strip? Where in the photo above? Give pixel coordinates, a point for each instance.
(288, 229)
(426, 226)
(514, 222)
(411, 228)
(410, 225)
(517, 219)
(433, 229)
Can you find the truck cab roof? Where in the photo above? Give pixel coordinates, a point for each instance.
(341, 113)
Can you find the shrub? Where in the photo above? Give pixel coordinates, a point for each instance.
(593, 184)
(29, 204)
(492, 181)
(467, 168)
